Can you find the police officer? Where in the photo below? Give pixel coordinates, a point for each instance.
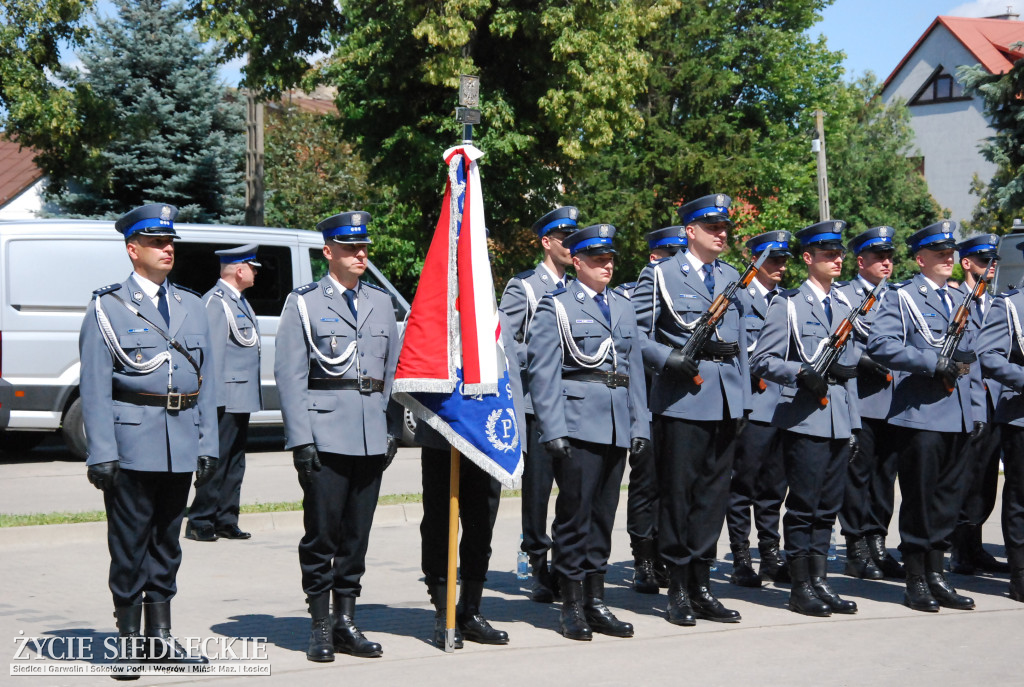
(906, 336)
(649, 571)
(758, 478)
(585, 371)
(235, 337)
(868, 500)
(1000, 350)
(336, 353)
(695, 424)
(967, 553)
(145, 349)
(479, 495)
(519, 302)
(817, 440)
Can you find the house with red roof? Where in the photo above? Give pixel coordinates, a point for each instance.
(21, 182)
(949, 126)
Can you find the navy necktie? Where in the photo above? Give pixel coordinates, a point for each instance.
(350, 298)
(603, 304)
(827, 304)
(559, 284)
(945, 303)
(769, 296)
(709, 278)
(161, 305)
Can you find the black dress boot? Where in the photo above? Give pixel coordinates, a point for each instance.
(661, 572)
(742, 568)
(818, 569)
(321, 644)
(940, 587)
(348, 639)
(680, 612)
(161, 646)
(438, 590)
(644, 579)
(1015, 556)
(773, 568)
(130, 643)
(802, 598)
(705, 605)
(981, 558)
(885, 561)
(918, 596)
(859, 562)
(474, 626)
(598, 615)
(959, 555)
(545, 589)
(573, 623)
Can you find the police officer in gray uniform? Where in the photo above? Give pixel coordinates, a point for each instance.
(585, 371)
(695, 424)
(817, 439)
(758, 478)
(336, 353)
(869, 498)
(235, 337)
(519, 302)
(649, 571)
(967, 553)
(907, 335)
(1000, 348)
(151, 422)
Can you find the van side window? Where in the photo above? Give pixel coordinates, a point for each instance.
(197, 268)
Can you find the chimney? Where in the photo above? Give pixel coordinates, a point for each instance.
(1009, 16)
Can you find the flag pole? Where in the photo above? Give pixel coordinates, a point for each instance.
(467, 115)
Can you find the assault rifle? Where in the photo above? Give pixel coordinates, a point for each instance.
(958, 325)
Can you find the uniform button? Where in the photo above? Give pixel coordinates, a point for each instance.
(359, 335)
(332, 331)
(175, 367)
(361, 355)
(364, 372)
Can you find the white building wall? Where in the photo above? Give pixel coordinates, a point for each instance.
(947, 135)
(25, 205)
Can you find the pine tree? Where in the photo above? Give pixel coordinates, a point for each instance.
(171, 134)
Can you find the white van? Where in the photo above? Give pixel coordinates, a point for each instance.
(48, 270)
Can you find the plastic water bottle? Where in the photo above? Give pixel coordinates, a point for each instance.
(522, 562)
(832, 545)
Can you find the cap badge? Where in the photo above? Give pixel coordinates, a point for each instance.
(720, 200)
(165, 214)
(573, 212)
(604, 231)
(839, 225)
(883, 231)
(945, 226)
(782, 236)
(357, 218)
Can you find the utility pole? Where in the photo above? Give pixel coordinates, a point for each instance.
(818, 146)
(253, 161)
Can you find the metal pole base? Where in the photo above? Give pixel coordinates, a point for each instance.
(449, 640)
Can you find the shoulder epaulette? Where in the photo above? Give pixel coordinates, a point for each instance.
(661, 260)
(1006, 294)
(789, 293)
(219, 292)
(106, 289)
(625, 289)
(306, 288)
(525, 275)
(374, 286)
(186, 290)
(551, 294)
(840, 283)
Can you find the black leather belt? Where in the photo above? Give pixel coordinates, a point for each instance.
(364, 385)
(168, 401)
(609, 379)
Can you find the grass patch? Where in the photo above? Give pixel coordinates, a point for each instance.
(60, 518)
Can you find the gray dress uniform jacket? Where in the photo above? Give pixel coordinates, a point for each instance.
(519, 302)
(983, 389)
(147, 438)
(577, 409)
(875, 393)
(755, 310)
(777, 358)
(725, 392)
(235, 337)
(919, 400)
(345, 421)
(1002, 357)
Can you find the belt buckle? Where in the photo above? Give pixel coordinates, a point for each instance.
(609, 380)
(365, 385)
(174, 401)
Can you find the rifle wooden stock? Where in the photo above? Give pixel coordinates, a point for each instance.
(958, 325)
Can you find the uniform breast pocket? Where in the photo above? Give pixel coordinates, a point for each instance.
(142, 345)
(588, 336)
(332, 338)
(753, 325)
(378, 340)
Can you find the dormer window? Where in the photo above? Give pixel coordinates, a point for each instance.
(940, 87)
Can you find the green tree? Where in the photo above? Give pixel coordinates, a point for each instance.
(1002, 198)
(172, 136)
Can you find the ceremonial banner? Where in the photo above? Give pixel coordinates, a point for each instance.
(452, 371)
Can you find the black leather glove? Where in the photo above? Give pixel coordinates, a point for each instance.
(390, 451)
(868, 367)
(558, 448)
(854, 444)
(639, 445)
(681, 365)
(205, 467)
(947, 371)
(306, 462)
(812, 381)
(103, 475)
(979, 427)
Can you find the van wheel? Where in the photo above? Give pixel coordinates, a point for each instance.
(20, 442)
(409, 422)
(73, 430)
